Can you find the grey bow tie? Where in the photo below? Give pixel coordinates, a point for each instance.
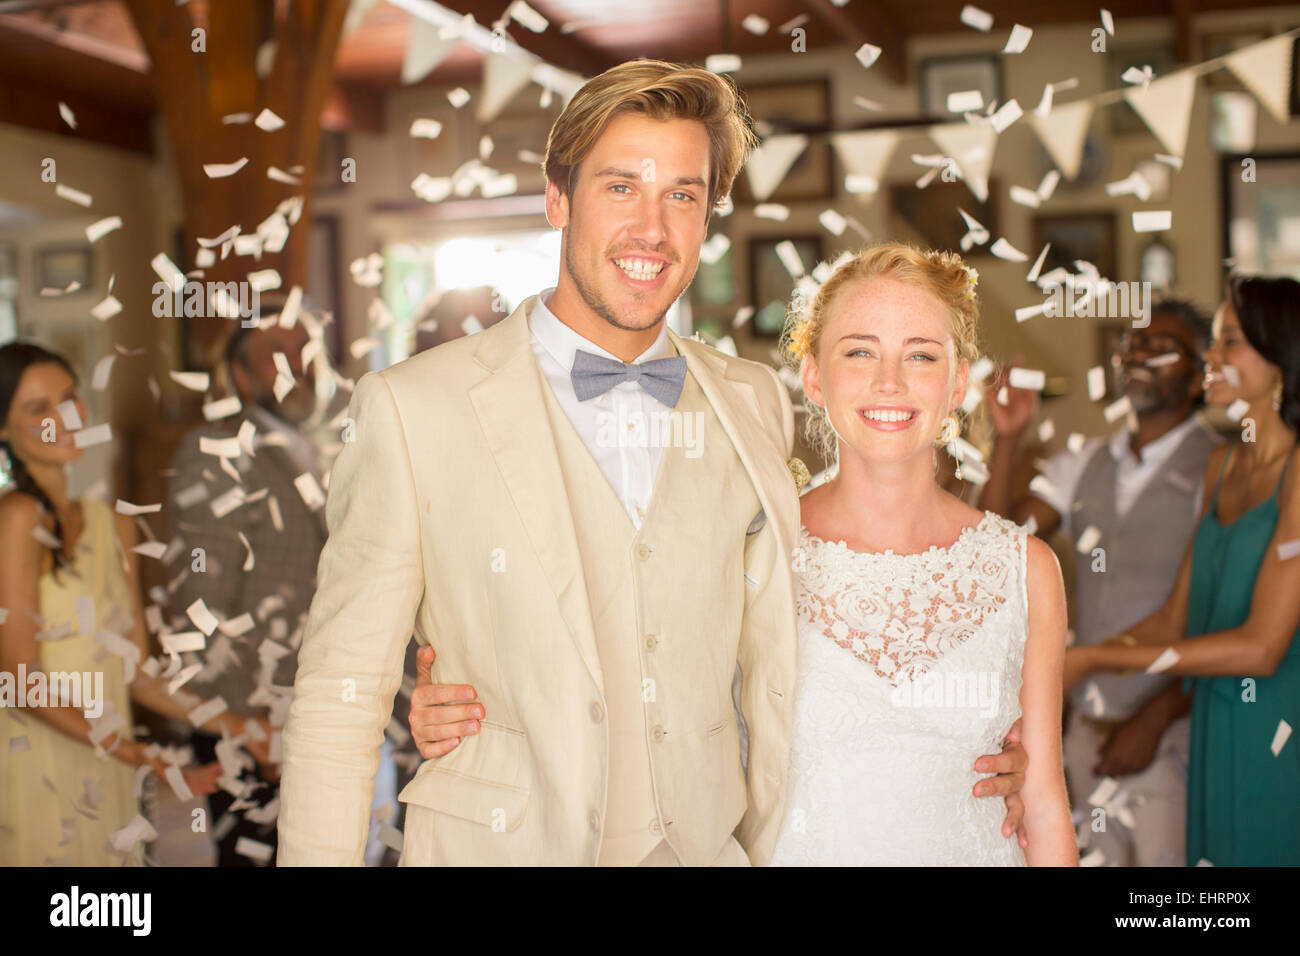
(595, 375)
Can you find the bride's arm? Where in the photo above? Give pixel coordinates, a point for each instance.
(1047, 808)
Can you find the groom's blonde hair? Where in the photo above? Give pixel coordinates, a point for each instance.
(661, 91)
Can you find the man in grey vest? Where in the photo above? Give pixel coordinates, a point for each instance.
(1130, 504)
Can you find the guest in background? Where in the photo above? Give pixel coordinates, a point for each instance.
(1141, 489)
(69, 592)
(258, 519)
(1235, 602)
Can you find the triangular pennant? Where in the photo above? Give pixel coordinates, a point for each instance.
(972, 147)
(1265, 70)
(1166, 107)
(504, 75)
(1062, 132)
(866, 153)
(425, 49)
(771, 160)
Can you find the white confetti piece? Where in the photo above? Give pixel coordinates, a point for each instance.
(1108, 21)
(94, 435)
(1092, 695)
(220, 447)
(237, 625)
(1006, 114)
(522, 13)
(965, 101)
(1029, 378)
(222, 170)
(722, 63)
(236, 119)
(194, 381)
(1280, 737)
(138, 829)
(1167, 659)
(1237, 409)
(976, 18)
(861, 102)
(1168, 358)
(1104, 792)
(715, 248)
(222, 408)
(1231, 375)
(254, 849)
(1049, 184)
(206, 711)
(1096, 383)
(98, 230)
(857, 184)
(1288, 550)
(1153, 220)
(755, 24)
(106, 309)
(176, 780)
(1025, 197)
(1088, 540)
(867, 54)
(833, 222)
(426, 128)
(65, 112)
(1117, 410)
(1005, 250)
(268, 121)
(203, 619)
(1075, 442)
(127, 508)
(1019, 39)
(771, 210)
(103, 370)
(1046, 429)
(72, 195)
(1093, 858)
(458, 97)
(1040, 486)
(789, 256)
(743, 315)
(183, 642)
(151, 549)
(248, 556)
(280, 176)
(168, 271)
(245, 437)
(309, 490)
(68, 412)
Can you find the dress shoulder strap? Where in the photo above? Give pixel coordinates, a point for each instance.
(1282, 477)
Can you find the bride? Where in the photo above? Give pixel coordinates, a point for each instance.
(919, 642)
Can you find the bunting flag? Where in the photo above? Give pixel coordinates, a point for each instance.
(1166, 107)
(1062, 132)
(771, 160)
(866, 153)
(1265, 70)
(504, 75)
(425, 50)
(972, 147)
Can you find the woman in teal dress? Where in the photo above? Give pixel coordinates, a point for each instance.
(1237, 602)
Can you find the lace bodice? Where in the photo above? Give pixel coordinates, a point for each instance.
(909, 669)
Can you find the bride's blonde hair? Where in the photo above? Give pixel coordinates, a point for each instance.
(942, 274)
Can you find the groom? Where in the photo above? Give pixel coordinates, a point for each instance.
(599, 591)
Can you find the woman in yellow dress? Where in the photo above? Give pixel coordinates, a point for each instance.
(69, 604)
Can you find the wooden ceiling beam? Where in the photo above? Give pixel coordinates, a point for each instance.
(867, 22)
(559, 49)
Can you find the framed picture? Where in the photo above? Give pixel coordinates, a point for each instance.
(1075, 236)
(1215, 45)
(1261, 213)
(58, 267)
(714, 284)
(941, 76)
(930, 218)
(770, 283)
(1159, 56)
(797, 107)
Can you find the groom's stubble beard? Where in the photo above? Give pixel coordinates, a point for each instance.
(596, 302)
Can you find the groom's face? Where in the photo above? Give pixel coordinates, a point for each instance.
(636, 218)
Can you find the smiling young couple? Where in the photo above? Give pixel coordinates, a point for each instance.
(674, 660)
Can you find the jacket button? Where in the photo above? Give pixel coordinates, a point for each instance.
(597, 712)
(655, 828)
(643, 551)
(650, 642)
(593, 818)
(658, 733)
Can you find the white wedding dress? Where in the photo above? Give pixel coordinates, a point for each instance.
(908, 670)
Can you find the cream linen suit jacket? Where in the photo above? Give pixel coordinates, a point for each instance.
(448, 519)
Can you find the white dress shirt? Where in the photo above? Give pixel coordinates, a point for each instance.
(1064, 469)
(615, 426)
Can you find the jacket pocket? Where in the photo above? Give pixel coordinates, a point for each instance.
(484, 780)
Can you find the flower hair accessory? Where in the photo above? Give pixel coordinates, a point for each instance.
(801, 337)
(972, 281)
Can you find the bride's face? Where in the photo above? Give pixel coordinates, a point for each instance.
(886, 370)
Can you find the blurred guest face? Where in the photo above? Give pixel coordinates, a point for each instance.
(255, 374)
(885, 369)
(1233, 369)
(34, 417)
(1157, 366)
(636, 219)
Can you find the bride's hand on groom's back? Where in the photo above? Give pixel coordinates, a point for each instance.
(441, 714)
(1010, 766)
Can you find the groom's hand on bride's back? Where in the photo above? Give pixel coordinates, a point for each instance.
(441, 714)
(1010, 766)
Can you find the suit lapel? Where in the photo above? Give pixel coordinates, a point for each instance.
(511, 410)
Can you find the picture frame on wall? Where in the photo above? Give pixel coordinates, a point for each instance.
(770, 284)
(1261, 217)
(804, 107)
(58, 267)
(943, 75)
(929, 216)
(1078, 236)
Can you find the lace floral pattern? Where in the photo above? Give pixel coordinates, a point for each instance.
(908, 670)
